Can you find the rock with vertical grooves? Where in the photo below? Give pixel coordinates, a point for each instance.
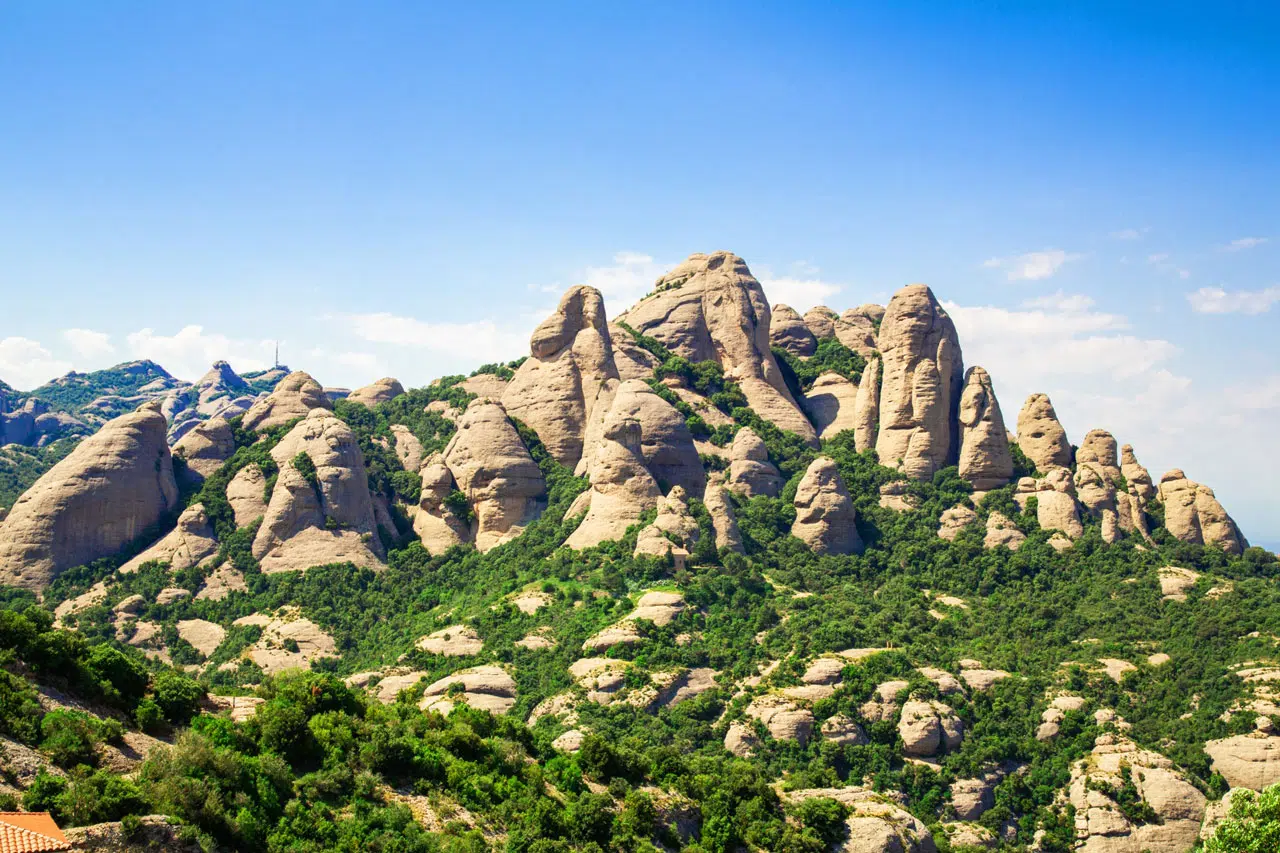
(1193, 514)
(408, 448)
(247, 494)
(622, 489)
(206, 446)
(866, 407)
(436, 522)
(1099, 449)
(570, 357)
(830, 404)
(666, 443)
(722, 518)
(384, 390)
(921, 384)
(821, 322)
(1097, 495)
(825, 517)
(493, 468)
(788, 332)
(985, 460)
(1040, 436)
(1055, 502)
(106, 493)
(856, 329)
(295, 396)
(750, 471)
(710, 307)
(1138, 478)
(189, 544)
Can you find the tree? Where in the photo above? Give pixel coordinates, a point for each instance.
(1251, 826)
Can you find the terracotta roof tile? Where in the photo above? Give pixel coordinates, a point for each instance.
(30, 832)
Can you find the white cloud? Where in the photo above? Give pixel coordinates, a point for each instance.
(88, 344)
(629, 277)
(1245, 243)
(479, 341)
(1215, 300)
(1032, 266)
(800, 293)
(25, 364)
(189, 353)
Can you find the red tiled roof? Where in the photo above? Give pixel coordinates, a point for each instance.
(30, 832)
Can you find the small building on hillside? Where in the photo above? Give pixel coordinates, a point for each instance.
(30, 832)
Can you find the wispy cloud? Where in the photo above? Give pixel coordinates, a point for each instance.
(622, 283)
(1162, 262)
(1245, 243)
(1216, 300)
(26, 364)
(482, 340)
(87, 343)
(1032, 266)
(189, 352)
(800, 293)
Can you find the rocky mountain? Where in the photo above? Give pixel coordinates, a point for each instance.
(708, 575)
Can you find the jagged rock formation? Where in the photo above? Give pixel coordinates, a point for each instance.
(1040, 435)
(111, 488)
(674, 527)
(493, 468)
(711, 308)
(1099, 450)
(571, 357)
(750, 471)
(830, 404)
(920, 388)
(322, 517)
(295, 396)
(622, 489)
(437, 523)
(722, 518)
(384, 390)
(985, 460)
(666, 445)
(189, 544)
(866, 407)
(1138, 478)
(825, 517)
(1192, 513)
(206, 446)
(246, 494)
(219, 393)
(787, 331)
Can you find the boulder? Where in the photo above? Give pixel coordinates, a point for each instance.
(844, 731)
(408, 448)
(223, 581)
(1248, 761)
(485, 385)
(783, 718)
(112, 488)
(1193, 514)
(710, 308)
(1099, 449)
(1040, 436)
(622, 489)
(493, 468)
(247, 495)
(327, 517)
(883, 704)
(971, 798)
(1001, 531)
(189, 544)
(831, 404)
(825, 517)
(741, 740)
(674, 527)
(453, 641)
(436, 522)
(866, 407)
(1101, 825)
(486, 688)
(921, 385)
(750, 471)
(927, 727)
(788, 332)
(204, 636)
(985, 460)
(570, 358)
(294, 397)
(954, 520)
(875, 824)
(384, 390)
(896, 495)
(722, 518)
(206, 446)
(288, 641)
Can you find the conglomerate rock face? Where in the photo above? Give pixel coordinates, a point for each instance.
(111, 488)
(985, 460)
(921, 384)
(1193, 514)
(295, 397)
(1041, 436)
(825, 517)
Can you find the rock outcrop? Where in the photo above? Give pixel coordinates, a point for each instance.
(928, 727)
(1001, 531)
(825, 517)
(1138, 478)
(954, 520)
(875, 824)
(788, 332)
(710, 307)
(105, 494)
(295, 396)
(571, 357)
(866, 407)
(920, 388)
(437, 523)
(1055, 501)
(486, 688)
(206, 446)
(319, 516)
(831, 404)
(622, 489)
(821, 321)
(985, 460)
(666, 445)
(1193, 514)
(1040, 435)
(1248, 761)
(384, 390)
(673, 528)
(1099, 450)
(493, 468)
(632, 360)
(189, 544)
(750, 471)
(722, 518)
(856, 328)
(247, 494)
(407, 446)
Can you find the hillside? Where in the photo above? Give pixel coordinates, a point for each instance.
(710, 575)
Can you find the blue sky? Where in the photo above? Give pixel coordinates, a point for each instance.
(405, 188)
